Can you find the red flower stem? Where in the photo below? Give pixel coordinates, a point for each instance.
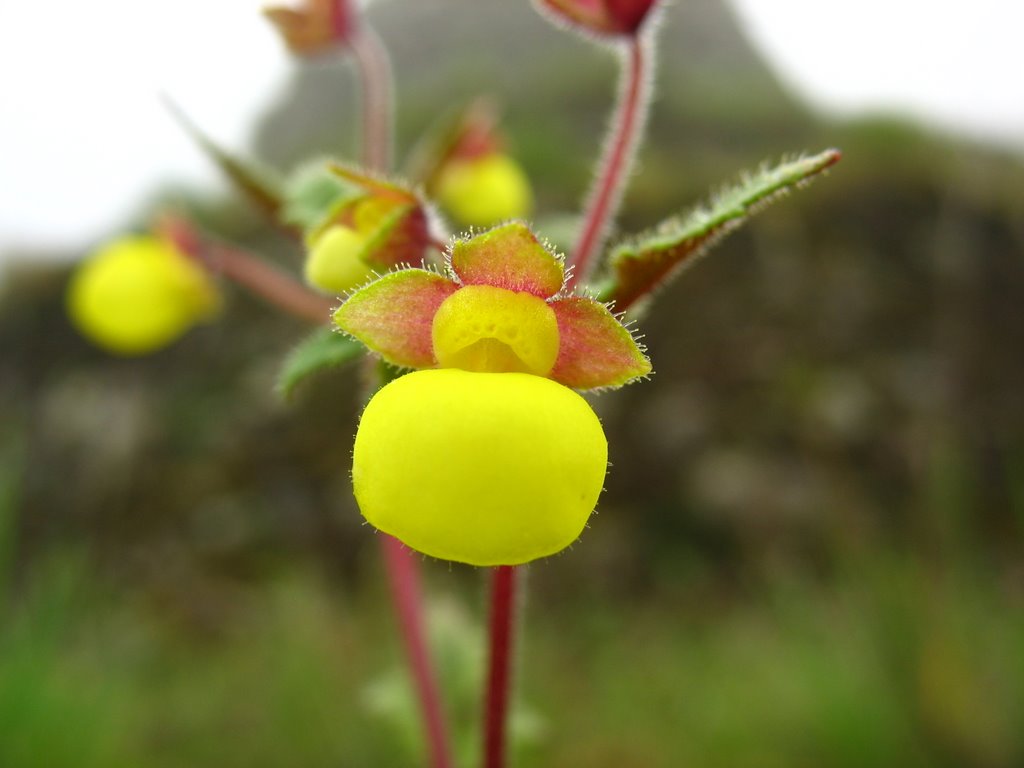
(406, 595)
(620, 149)
(268, 282)
(496, 705)
(374, 65)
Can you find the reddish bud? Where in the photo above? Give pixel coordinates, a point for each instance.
(315, 27)
(605, 18)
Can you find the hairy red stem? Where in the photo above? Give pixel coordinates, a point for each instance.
(374, 67)
(606, 191)
(406, 596)
(267, 281)
(499, 675)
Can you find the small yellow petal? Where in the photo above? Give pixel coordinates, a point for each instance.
(138, 294)
(484, 191)
(489, 329)
(333, 263)
(481, 468)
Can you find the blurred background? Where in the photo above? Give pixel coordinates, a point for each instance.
(809, 551)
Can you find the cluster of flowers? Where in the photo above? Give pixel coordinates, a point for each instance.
(498, 342)
(485, 453)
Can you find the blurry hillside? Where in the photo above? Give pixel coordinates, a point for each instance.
(817, 374)
(837, 397)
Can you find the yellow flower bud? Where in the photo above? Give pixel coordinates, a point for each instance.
(138, 294)
(334, 264)
(483, 328)
(481, 468)
(483, 191)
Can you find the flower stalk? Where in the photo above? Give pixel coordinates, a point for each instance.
(273, 285)
(407, 598)
(498, 694)
(268, 282)
(620, 150)
(376, 83)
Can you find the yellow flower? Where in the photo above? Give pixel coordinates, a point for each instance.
(486, 456)
(138, 294)
(485, 190)
(482, 468)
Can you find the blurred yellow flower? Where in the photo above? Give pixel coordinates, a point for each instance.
(333, 262)
(138, 294)
(485, 190)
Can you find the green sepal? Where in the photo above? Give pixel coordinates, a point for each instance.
(314, 196)
(257, 183)
(323, 348)
(646, 261)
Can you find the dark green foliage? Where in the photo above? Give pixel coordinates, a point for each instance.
(323, 348)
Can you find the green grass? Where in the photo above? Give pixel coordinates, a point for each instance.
(884, 666)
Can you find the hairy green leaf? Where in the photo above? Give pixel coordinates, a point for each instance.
(641, 264)
(323, 348)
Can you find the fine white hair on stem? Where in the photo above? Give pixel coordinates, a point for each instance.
(628, 121)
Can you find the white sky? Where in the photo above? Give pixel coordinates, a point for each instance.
(959, 64)
(83, 134)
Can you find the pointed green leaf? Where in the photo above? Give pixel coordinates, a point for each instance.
(323, 348)
(253, 182)
(642, 264)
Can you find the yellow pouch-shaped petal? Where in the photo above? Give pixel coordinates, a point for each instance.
(481, 468)
(138, 294)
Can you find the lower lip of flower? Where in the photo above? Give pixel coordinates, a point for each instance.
(481, 468)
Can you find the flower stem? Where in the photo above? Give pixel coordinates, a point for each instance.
(374, 65)
(407, 599)
(620, 150)
(268, 282)
(496, 704)
(248, 270)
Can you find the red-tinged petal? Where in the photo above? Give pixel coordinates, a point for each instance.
(509, 257)
(595, 350)
(393, 316)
